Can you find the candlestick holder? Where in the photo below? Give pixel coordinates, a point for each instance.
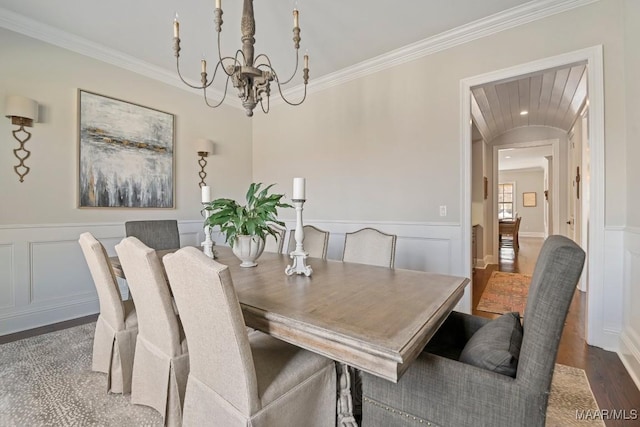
(299, 255)
(208, 244)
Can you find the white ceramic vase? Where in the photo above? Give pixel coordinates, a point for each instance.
(248, 249)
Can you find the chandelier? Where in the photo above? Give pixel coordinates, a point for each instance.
(250, 75)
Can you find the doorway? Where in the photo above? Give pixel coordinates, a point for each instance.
(592, 57)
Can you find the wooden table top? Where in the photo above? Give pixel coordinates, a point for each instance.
(375, 319)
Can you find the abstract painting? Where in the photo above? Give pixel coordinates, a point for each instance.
(125, 154)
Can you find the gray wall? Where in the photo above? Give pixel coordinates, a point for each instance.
(527, 181)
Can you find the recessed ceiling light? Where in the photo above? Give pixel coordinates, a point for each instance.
(524, 112)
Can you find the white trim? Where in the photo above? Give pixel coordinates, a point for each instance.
(629, 354)
(597, 334)
(498, 22)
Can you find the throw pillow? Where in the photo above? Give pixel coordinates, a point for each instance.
(496, 345)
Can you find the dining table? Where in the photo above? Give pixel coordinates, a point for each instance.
(374, 319)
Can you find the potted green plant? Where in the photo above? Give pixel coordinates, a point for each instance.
(246, 227)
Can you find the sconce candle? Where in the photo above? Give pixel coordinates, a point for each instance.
(206, 194)
(298, 189)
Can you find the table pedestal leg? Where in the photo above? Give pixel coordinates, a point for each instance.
(345, 402)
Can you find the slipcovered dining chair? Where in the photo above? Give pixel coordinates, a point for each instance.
(161, 362)
(271, 244)
(316, 241)
(157, 234)
(117, 325)
(477, 371)
(370, 246)
(239, 378)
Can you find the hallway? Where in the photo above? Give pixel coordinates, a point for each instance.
(611, 384)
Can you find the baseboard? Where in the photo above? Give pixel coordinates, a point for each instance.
(629, 354)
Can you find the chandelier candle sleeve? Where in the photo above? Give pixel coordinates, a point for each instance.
(176, 27)
(206, 194)
(218, 4)
(298, 189)
(296, 22)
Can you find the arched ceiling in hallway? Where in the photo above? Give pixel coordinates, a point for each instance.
(552, 98)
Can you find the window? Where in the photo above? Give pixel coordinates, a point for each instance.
(505, 200)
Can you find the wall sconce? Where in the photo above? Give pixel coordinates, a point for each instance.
(22, 112)
(204, 148)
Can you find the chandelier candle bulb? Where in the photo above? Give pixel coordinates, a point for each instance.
(298, 189)
(176, 27)
(218, 4)
(203, 64)
(296, 22)
(206, 194)
(306, 60)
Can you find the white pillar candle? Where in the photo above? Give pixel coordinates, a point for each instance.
(298, 189)
(206, 194)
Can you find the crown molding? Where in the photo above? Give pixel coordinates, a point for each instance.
(37, 30)
(493, 24)
(498, 22)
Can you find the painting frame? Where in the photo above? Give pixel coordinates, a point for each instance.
(529, 200)
(126, 154)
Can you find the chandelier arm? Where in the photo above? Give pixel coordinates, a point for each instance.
(262, 105)
(224, 96)
(270, 67)
(221, 58)
(289, 102)
(183, 80)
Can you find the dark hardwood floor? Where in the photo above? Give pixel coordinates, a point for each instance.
(612, 386)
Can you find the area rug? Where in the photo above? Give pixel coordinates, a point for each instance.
(47, 381)
(505, 292)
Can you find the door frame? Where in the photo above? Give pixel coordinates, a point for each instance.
(593, 56)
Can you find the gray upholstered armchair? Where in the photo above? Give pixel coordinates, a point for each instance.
(441, 390)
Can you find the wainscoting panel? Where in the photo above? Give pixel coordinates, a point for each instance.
(63, 260)
(44, 277)
(630, 338)
(7, 299)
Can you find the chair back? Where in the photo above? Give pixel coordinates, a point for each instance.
(157, 322)
(270, 242)
(553, 284)
(370, 246)
(516, 227)
(316, 241)
(109, 297)
(156, 234)
(219, 351)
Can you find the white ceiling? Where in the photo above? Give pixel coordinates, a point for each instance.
(337, 34)
(523, 158)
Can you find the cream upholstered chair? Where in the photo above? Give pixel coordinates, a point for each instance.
(240, 379)
(370, 246)
(161, 362)
(157, 234)
(117, 326)
(316, 241)
(270, 242)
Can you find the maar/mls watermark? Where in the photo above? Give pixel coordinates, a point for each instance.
(606, 414)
